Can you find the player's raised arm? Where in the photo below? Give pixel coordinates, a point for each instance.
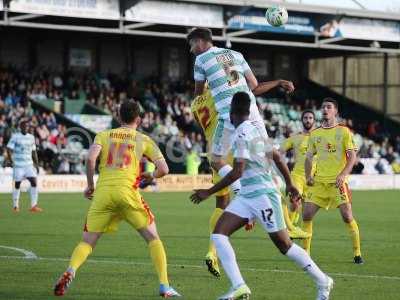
(94, 152)
(266, 86)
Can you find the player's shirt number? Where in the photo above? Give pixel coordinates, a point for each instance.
(267, 214)
(119, 155)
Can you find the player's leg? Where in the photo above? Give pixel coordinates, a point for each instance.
(303, 260)
(31, 176)
(309, 211)
(18, 176)
(352, 226)
(222, 201)
(221, 145)
(78, 257)
(16, 195)
(294, 231)
(142, 219)
(101, 218)
(299, 183)
(268, 211)
(235, 217)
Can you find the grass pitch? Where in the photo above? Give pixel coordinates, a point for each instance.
(120, 267)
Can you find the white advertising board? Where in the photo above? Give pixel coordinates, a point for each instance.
(173, 13)
(94, 9)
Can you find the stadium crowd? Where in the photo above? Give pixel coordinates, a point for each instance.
(166, 116)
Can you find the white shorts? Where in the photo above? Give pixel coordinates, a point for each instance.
(224, 133)
(20, 173)
(267, 209)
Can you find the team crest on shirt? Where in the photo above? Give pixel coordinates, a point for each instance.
(330, 148)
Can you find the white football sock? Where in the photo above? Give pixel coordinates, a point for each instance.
(235, 186)
(228, 259)
(300, 256)
(15, 197)
(34, 196)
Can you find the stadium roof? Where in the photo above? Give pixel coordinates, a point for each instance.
(239, 21)
(377, 9)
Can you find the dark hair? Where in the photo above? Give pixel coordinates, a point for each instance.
(200, 33)
(129, 110)
(331, 100)
(307, 111)
(241, 104)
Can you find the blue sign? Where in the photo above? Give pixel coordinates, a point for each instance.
(255, 20)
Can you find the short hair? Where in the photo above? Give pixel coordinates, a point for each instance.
(307, 111)
(241, 104)
(331, 100)
(129, 110)
(200, 33)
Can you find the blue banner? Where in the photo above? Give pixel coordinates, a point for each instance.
(254, 19)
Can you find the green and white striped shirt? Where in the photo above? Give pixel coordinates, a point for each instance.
(250, 145)
(224, 69)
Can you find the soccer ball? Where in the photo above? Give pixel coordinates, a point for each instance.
(276, 15)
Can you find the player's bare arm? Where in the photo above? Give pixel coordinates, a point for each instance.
(291, 190)
(266, 86)
(350, 161)
(35, 160)
(232, 176)
(160, 171)
(9, 157)
(308, 168)
(93, 154)
(263, 87)
(199, 88)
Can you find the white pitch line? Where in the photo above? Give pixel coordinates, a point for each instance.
(200, 267)
(28, 254)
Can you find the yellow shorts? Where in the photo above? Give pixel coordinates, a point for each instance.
(300, 183)
(215, 179)
(327, 195)
(110, 205)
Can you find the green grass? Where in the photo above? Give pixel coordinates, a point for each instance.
(120, 267)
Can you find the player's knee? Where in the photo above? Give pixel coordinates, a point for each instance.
(347, 217)
(284, 246)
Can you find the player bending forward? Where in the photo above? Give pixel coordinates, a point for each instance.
(258, 199)
(116, 196)
(334, 151)
(21, 151)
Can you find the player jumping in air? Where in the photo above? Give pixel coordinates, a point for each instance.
(21, 150)
(226, 72)
(116, 196)
(258, 199)
(333, 148)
